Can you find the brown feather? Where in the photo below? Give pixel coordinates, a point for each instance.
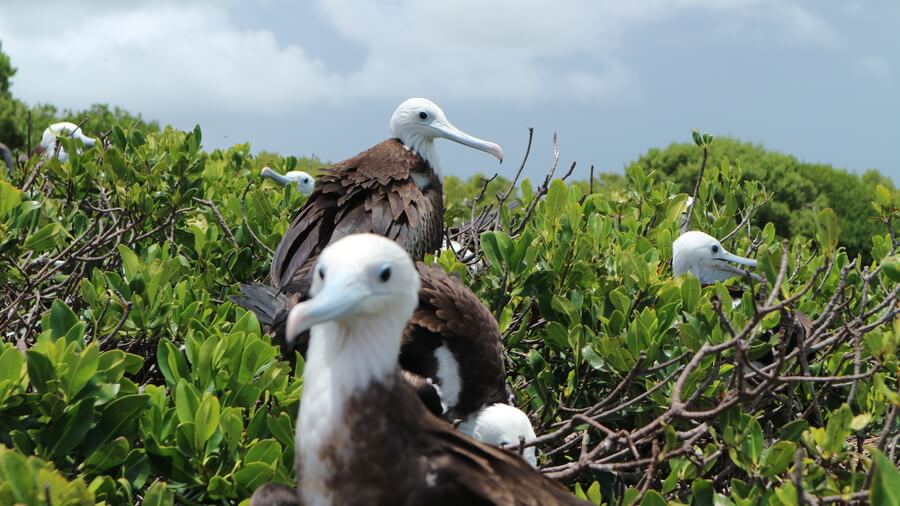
(371, 192)
(275, 494)
(450, 314)
(397, 453)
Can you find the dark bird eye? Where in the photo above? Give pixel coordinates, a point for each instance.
(423, 115)
(715, 248)
(322, 273)
(385, 273)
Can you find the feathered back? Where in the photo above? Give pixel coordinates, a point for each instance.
(373, 192)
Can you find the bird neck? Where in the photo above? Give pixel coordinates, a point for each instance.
(344, 358)
(424, 147)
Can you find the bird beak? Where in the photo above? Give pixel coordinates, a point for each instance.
(271, 174)
(334, 301)
(730, 257)
(720, 264)
(446, 130)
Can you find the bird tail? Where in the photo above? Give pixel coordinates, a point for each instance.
(267, 303)
(271, 308)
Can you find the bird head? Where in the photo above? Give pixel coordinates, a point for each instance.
(359, 278)
(703, 256)
(301, 180)
(418, 121)
(500, 425)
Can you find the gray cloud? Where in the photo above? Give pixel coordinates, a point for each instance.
(281, 74)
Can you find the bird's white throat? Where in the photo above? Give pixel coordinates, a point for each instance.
(424, 146)
(344, 358)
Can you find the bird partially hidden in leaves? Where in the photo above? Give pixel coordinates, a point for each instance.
(704, 257)
(302, 181)
(363, 436)
(50, 146)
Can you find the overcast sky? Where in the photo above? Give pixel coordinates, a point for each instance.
(819, 79)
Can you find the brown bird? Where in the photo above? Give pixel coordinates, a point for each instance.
(363, 437)
(395, 189)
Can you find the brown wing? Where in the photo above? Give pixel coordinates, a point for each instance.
(465, 471)
(372, 192)
(275, 494)
(450, 314)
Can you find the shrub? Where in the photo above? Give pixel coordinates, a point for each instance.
(126, 375)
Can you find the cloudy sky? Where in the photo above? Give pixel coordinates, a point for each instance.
(819, 78)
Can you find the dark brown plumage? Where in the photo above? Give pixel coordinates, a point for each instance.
(450, 315)
(275, 494)
(373, 192)
(422, 461)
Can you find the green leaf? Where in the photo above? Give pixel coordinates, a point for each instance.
(793, 430)
(81, 368)
(252, 475)
(187, 401)
(882, 196)
(777, 458)
(11, 362)
(695, 135)
(860, 421)
(702, 492)
(171, 362)
(281, 428)
(10, 196)
(837, 430)
(16, 474)
(117, 416)
(45, 238)
(593, 493)
(206, 421)
(159, 495)
(690, 293)
(118, 137)
(884, 489)
(653, 498)
(267, 451)
(40, 370)
(753, 443)
(827, 230)
(490, 246)
(890, 266)
(62, 318)
(67, 431)
(131, 264)
(108, 455)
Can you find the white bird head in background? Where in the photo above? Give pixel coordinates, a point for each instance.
(703, 256)
(301, 180)
(62, 129)
(418, 121)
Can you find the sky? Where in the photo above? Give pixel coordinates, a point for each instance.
(819, 79)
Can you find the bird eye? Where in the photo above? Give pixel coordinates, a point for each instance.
(322, 273)
(305, 180)
(385, 273)
(423, 115)
(715, 248)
